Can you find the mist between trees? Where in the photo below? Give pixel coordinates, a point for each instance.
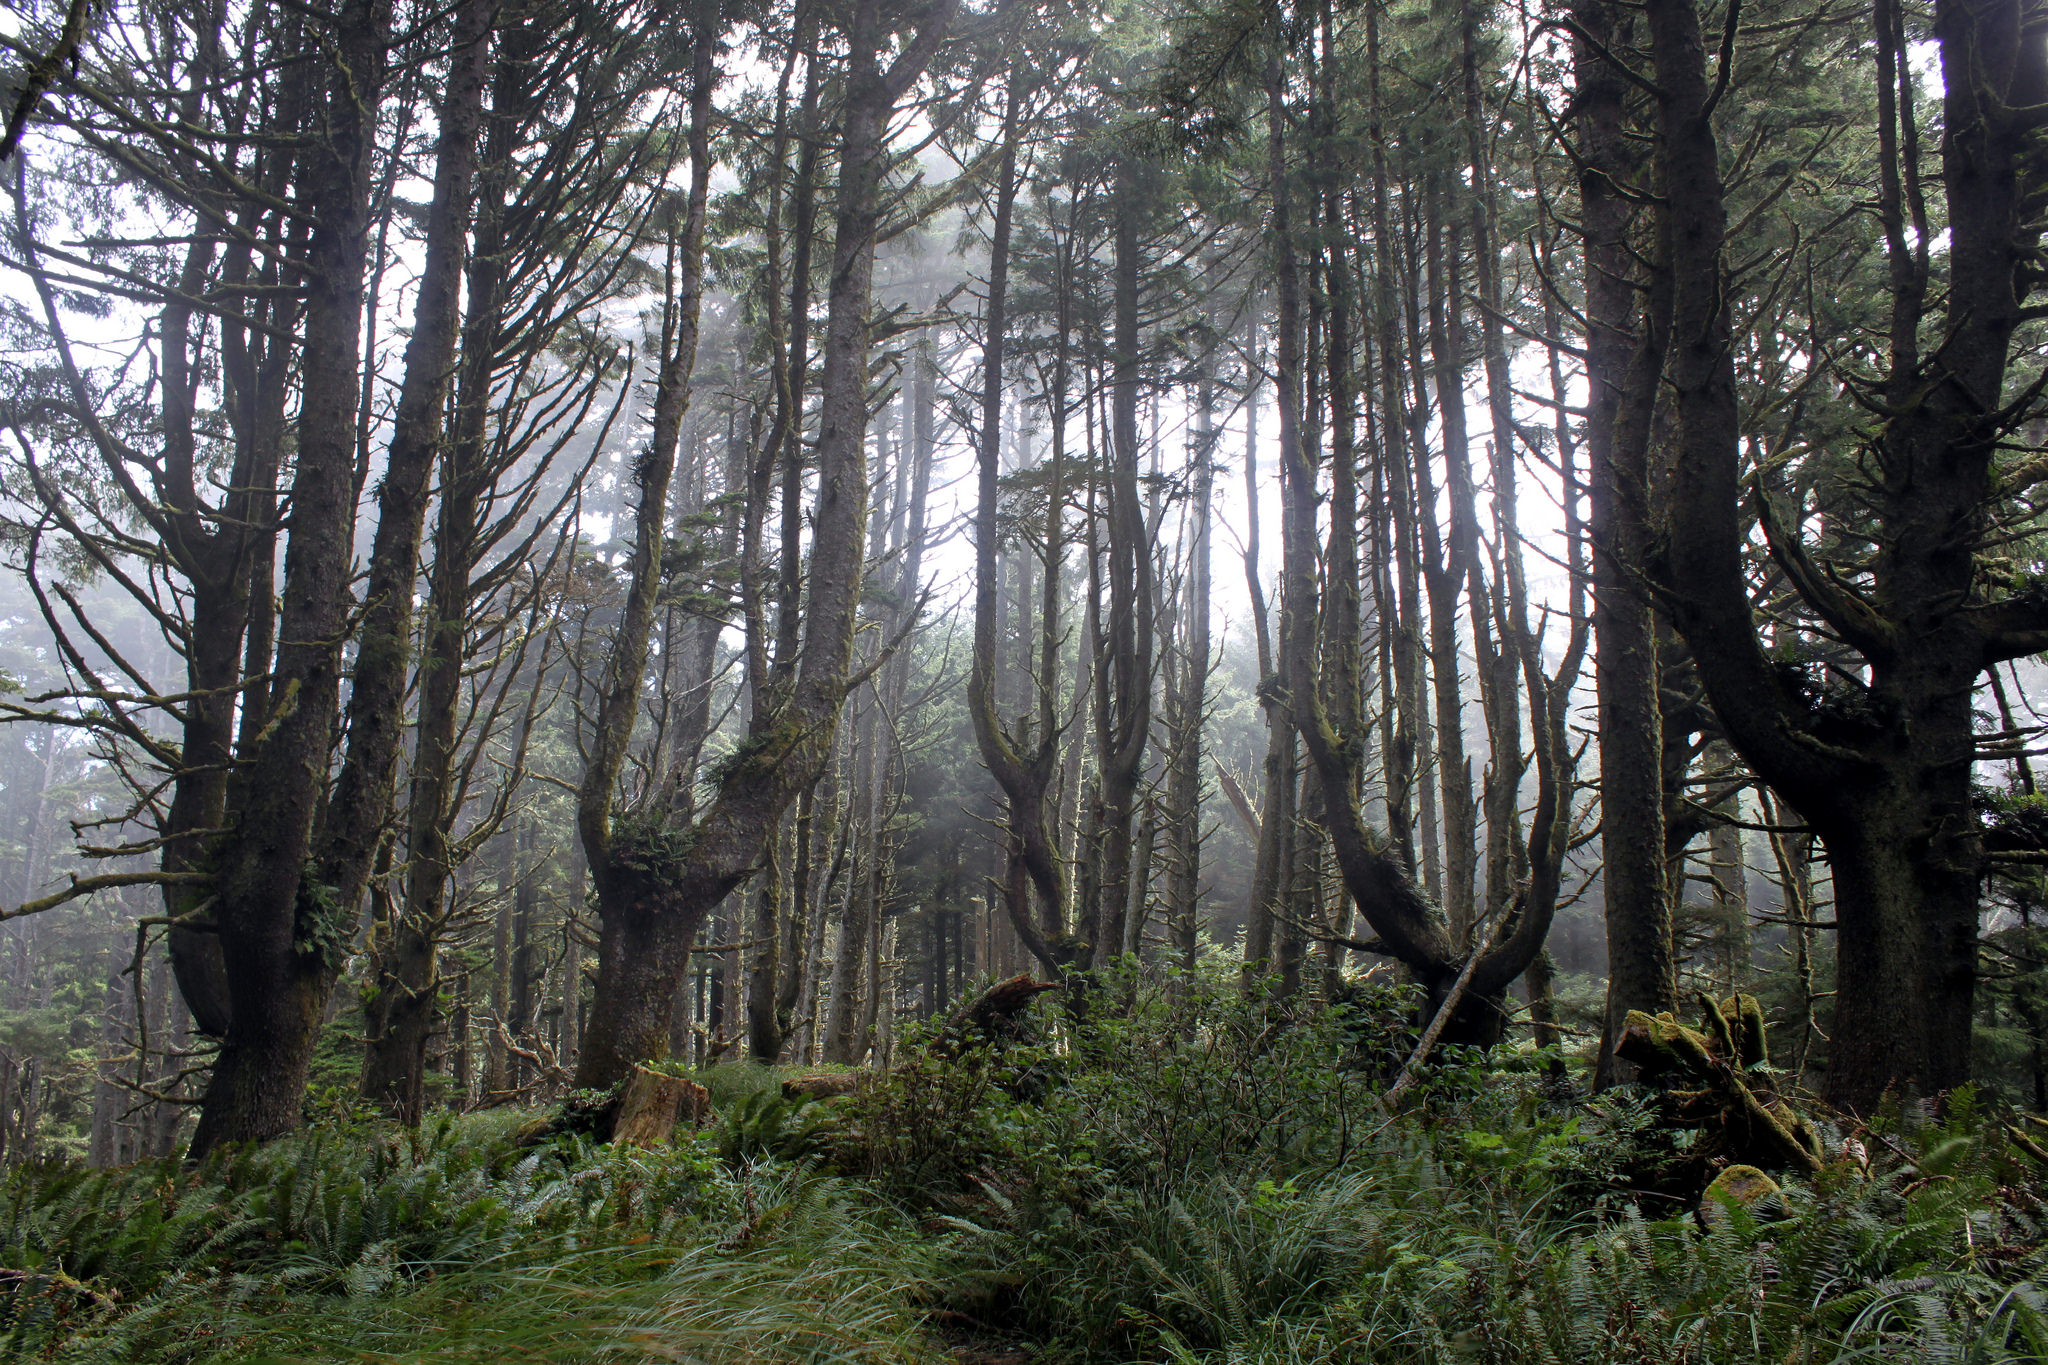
(550, 536)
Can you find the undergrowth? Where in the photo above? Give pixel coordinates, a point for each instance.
(454, 1244)
(1192, 1176)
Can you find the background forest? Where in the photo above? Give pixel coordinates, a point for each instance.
(1231, 682)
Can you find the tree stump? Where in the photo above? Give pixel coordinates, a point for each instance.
(653, 1104)
(994, 1016)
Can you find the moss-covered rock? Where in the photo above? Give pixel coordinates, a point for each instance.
(1735, 1187)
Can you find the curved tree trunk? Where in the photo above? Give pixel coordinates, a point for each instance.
(1889, 792)
(1408, 926)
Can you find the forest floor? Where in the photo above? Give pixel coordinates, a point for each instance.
(1206, 1180)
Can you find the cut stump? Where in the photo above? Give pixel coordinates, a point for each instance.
(652, 1106)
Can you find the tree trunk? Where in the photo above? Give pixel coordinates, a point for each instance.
(1448, 561)
(1889, 793)
(1023, 765)
(1123, 687)
(1330, 726)
(1184, 781)
(282, 934)
(1906, 908)
(769, 938)
(399, 1015)
(1641, 971)
(355, 816)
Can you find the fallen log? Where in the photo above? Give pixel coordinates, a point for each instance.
(821, 1085)
(1712, 1076)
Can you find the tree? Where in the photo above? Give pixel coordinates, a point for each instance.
(1876, 756)
(1640, 972)
(514, 416)
(656, 879)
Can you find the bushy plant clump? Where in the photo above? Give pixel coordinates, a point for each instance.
(1161, 1171)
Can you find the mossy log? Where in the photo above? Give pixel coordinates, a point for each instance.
(653, 1104)
(1710, 1082)
(821, 1085)
(2027, 1144)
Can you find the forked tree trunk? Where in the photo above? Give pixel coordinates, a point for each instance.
(657, 878)
(1407, 925)
(647, 923)
(1448, 563)
(1123, 686)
